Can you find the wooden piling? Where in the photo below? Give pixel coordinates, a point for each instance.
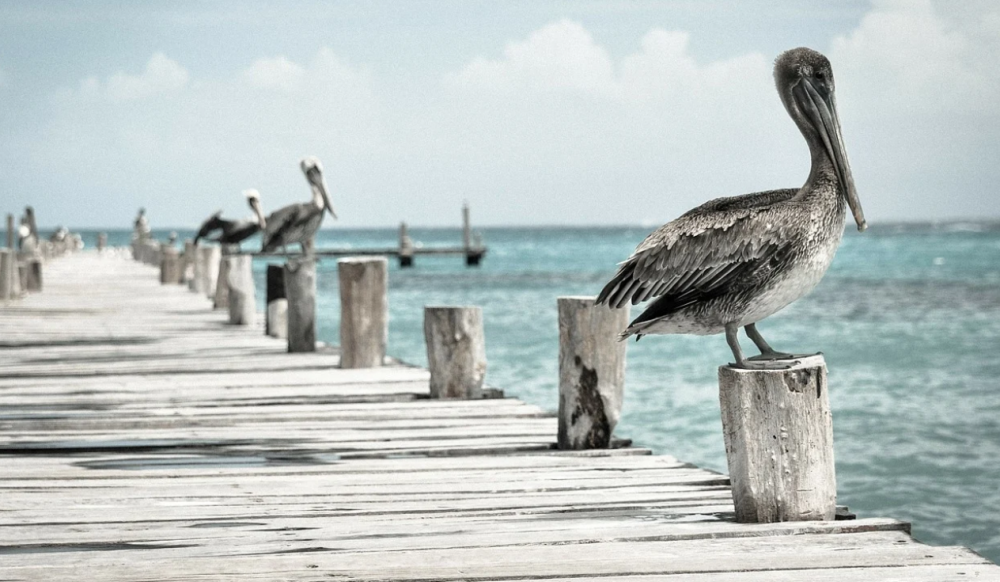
(102, 242)
(221, 297)
(32, 280)
(210, 257)
(276, 316)
(779, 442)
(405, 247)
(10, 231)
(197, 264)
(170, 265)
(8, 269)
(242, 299)
(591, 372)
(300, 287)
(456, 351)
(364, 318)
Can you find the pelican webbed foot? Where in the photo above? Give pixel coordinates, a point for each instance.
(773, 356)
(753, 364)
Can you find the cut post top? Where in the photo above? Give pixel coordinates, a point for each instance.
(804, 363)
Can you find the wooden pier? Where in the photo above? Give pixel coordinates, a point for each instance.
(143, 437)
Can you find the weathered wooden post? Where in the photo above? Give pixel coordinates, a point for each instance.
(8, 269)
(242, 301)
(210, 257)
(591, 372)
(473, 254)
(300, 287)
(276, 319)
(10, 231)
(779, 442)
(32, 280)
(102, 242)
(405, 247)
(456, 351)
(197, 270)
(187, 264)
(364, 306)
(220, 300)
(170, 265)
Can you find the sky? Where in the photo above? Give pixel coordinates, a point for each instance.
(583, 112)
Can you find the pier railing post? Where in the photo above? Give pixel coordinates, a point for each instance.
(300, 287)
(456, 351)
(779, 442)
(276, 319)
(242, 301)
(10, 231)
(364, 318)
(211, 257)
(591, 372)
(170, 265)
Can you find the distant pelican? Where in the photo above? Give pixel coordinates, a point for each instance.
(298, 223)
(731, 262)
(233, 232)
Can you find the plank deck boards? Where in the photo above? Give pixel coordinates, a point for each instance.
(143, 438)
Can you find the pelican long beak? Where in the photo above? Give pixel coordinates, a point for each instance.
(822, 111)
(255, 205)
(318, 184)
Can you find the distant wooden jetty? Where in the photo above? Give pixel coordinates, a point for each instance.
(472, 247)
(144, 436)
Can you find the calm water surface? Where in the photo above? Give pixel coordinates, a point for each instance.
(908, 318)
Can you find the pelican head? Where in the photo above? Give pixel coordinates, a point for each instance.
(805, 82)
(253, 199)
(314, 175)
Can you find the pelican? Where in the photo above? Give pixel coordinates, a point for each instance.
(298, 223)
(732, 262)
(232, 232)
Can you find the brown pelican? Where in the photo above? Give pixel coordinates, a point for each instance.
(731, 262)
(298, 223)
(232, 232)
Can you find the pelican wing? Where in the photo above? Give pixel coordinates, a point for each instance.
(211, 223)
(703, 253)
(280, 224)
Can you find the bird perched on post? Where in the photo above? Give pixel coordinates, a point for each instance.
(232, 232)
(732, 262)
(298, 223)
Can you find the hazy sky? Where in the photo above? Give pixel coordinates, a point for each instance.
(561, 112)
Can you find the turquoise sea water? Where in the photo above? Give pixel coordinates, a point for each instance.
(908, 317)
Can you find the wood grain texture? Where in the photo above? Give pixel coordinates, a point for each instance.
(142, 437)
(364, 311)
(591, 372)
(300, 287)
(456, 351)
(778, 432)
(242, 301)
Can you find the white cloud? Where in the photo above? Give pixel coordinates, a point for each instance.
(199, 149)
(162, 75)
(551, 128)
(277, 73)
(562, 55)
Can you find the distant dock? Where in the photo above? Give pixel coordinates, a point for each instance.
(144, 437)
(472, 247)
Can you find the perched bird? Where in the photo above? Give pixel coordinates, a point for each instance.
(731, 262)
(233, 232)
(298, 223)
